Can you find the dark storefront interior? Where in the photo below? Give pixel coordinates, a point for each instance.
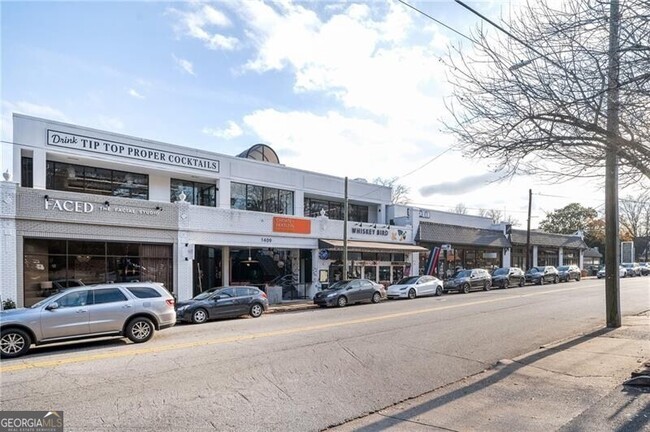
(50, 265)
(252, 266)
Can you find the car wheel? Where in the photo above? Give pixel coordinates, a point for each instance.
(465, 288)
(438, 291)
(541, 281)
(486, 286)
(376, 298)
(140, 330)
(342, 301)
(256, 310)
(556, 280)
(14, 343)
(199, 316)
(506, 284)
(412, 293)
(522, 282)
(578, 278)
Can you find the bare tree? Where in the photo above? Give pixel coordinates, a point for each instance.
(399, 193)
(495, 215)
(540, 106)
(482, 212)
(633, 215)
(460, 209)
(511, 220)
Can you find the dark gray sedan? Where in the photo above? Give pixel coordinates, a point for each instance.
(345, 292)
(223, 302)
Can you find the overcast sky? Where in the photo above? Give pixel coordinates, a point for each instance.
(345, 88)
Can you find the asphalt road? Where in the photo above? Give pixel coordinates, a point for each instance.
(304, 370)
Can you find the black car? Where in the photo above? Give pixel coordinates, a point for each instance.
(569, 272)
(542, 274)
(508, 276)
(223, 302)
(345, 292)
(466, 280)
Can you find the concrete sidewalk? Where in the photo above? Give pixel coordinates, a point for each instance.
(292, 306)
(571, 385)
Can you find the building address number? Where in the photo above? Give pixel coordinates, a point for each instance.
(267, 240)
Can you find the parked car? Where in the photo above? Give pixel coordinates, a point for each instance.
(633, 269)
(622, 272)
(415, 286)
(542, 274)
(645, 268)
(223, 302)
(507, 276)
(350, 291)
(569, 272)
(133, 310)
(52, 287)
(466, 280)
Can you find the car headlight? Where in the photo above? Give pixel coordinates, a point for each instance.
(181, 309)
(403, 289)
(331, 295)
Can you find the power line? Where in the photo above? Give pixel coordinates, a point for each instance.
(437, 21)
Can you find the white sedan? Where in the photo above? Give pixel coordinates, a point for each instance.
(622, 272)
(415, 286)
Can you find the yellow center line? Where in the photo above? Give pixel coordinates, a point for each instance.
(240, 338)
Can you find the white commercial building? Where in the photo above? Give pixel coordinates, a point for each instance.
(98, 206)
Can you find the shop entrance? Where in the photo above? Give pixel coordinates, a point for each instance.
(268, 266)
(207, 268)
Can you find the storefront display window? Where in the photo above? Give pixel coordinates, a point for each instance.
(547, 256)
(50, 265)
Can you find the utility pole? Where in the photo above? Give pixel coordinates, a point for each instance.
(530, 205)
(345, 232)
(612, 281)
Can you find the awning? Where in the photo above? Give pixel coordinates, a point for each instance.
(361, 246)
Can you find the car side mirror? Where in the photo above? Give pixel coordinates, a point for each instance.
(349, 288)
(52, 306)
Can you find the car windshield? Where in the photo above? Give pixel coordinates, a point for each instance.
(42, 302)
(339, 284)
(628, 265)
(563, 268)
(408, 280)
(501, 271)
(535, 270)
(205, 294)
(462, 274)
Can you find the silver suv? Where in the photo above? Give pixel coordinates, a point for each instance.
(134, 310)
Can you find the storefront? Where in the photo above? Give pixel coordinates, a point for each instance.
(462, 247)
(547, 249)
(383, 263)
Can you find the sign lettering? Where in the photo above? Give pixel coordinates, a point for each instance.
(93, 145)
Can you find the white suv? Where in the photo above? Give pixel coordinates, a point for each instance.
(134, 310)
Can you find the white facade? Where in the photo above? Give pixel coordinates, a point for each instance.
(36, 212)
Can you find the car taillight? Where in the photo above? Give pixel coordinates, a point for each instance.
(264, 295)
(170, 302)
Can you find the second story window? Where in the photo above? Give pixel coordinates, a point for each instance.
(27, 172)
(97, 181)
(201, 194)
(261, 198)
(334, 210)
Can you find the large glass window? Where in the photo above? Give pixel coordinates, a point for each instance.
(260, 198)
(202, 194)
(98, 181)
(334, 210)
(27, 172)
(50, 265)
